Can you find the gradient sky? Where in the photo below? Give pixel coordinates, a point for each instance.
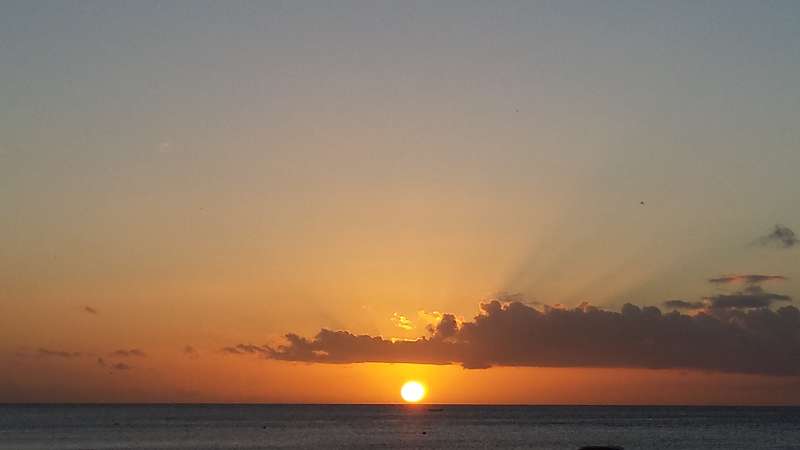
(207, 174)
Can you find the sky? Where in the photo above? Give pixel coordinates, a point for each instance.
(315, 201)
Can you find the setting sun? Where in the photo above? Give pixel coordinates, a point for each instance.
(412, 391)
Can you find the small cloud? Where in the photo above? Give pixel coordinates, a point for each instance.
(89, 310)
(683, 304)
(191, 352)
(245, 349)
(781, 236)
(745, 278)
(135, 352)
(508, 297)
(429, 317)
(401, 321)
(45, 353)
(112, 365)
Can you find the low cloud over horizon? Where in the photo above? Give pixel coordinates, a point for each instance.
(736, 338)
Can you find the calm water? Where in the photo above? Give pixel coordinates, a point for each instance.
(393, 426)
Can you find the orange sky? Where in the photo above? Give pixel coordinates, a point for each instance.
(213, 175)
(215, 378)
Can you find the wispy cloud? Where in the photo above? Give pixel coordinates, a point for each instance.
(402, 322)
(745, 278)
(243, 349)
(134, 352)
(191, 352)
(112, 365)
(683, 304)
(781, 236)
(89, 310)
(43, 352)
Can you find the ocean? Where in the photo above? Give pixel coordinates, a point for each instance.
(395, 426)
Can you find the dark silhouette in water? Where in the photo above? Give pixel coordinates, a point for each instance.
(601, 447)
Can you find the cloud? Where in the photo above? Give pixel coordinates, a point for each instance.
(734, 340)
(781, 236)
(191, 352)
(112, 365)
(446, 328)
(89, 310)
(683, 304)
(43, 352)
(244, 349)
(753, 297)
(135, 352)
(430, 319)
(745, 278)
(401, 321)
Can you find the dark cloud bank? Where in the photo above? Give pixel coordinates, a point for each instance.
(730, 339)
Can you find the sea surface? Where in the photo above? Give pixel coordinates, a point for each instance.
(394, 426)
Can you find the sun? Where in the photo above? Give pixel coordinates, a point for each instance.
(412, 391)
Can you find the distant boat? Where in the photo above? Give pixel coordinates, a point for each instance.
(601, 447)
(435, 409)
